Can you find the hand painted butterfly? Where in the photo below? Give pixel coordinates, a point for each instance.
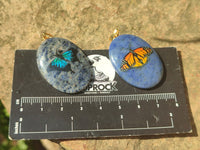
(62, 60)
(135, 58)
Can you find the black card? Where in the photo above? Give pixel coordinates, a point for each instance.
(109, 107)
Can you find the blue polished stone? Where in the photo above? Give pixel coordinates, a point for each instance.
(64, 65)
(141, 68)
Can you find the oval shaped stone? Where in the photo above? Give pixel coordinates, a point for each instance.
(136, 61)
(63, 65)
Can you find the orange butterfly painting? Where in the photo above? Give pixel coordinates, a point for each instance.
(136, 58)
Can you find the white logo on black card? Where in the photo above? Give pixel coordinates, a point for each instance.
(104, 75)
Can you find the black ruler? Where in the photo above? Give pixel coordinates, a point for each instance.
(107, 108)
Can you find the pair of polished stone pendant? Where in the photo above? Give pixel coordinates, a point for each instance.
(65, 67)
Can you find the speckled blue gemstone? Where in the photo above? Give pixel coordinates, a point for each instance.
(68, 72)
(141, 68)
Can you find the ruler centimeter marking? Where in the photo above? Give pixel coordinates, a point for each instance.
(99, 99)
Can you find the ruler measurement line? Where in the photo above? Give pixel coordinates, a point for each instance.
(145, 128)
(136, 97)
(156, 100)
(100, 99)
(118, 102)
(61, 102)
(72, 123)
(122, 121)
(20, 124)
(46, 128)
(97, 126)
(171, 119)
(172, 122)
(118, 98)
(20, 127)
(147, 122)
(71, 99)
(21, 102)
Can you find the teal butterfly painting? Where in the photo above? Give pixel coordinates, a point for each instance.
(62, 59)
